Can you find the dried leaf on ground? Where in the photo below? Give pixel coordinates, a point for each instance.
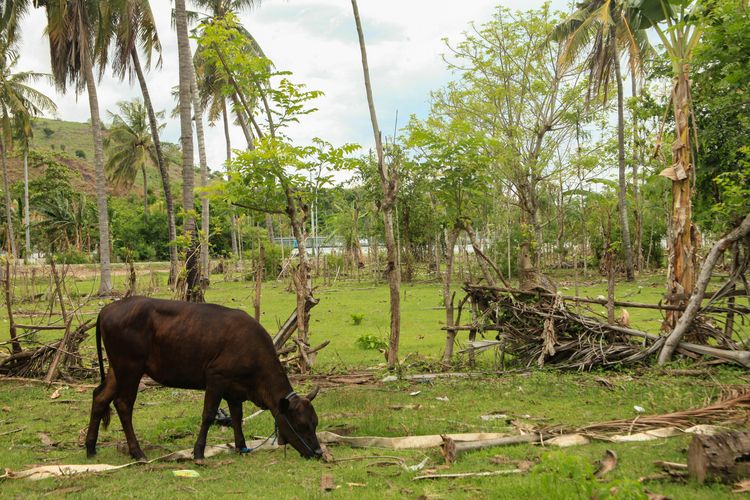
(45, 439)
(655, 496)
(55, 394)
(742, 486)
(607, 464)
(604, 382)
(327, 455)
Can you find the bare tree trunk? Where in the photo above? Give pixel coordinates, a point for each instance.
(684, 241)
(163, 169)
(637, 208)
(269, 227)
(450, 335)
(243, 122)
(623, 189)
(145, 190)
(105, 285)
(227, 138)
(193, 291)
(259, 274)
(389, 183)
(26, 210)
(482, 259)
(8, 205)
(693, 306)
(205, 210)
(15, 345)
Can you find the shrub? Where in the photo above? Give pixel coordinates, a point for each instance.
(81, 153)
(48, 132)
(357, 318)
(72, 256)
(371, 342)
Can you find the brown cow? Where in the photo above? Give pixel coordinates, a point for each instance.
(196, 346)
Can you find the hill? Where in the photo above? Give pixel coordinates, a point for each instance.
(72, 144)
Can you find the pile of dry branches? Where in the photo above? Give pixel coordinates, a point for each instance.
(539, 329)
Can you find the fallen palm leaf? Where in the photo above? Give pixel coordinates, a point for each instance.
(741, 487)
(607, 464)
(45, 439)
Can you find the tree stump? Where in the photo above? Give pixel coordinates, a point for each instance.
(724, 457)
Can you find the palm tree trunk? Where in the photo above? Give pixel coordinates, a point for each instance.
(227, 138)
(163, 170)
(105, 286)
(145, 190)
(389, 184)
(205, 211)
(6, 193)
(26, 217)
(637, 209)
(684, 243)
(243, 122)
(193, 291)
(622, 193)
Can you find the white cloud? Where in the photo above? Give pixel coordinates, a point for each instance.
(316, 40)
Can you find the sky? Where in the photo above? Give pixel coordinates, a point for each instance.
(317, 41)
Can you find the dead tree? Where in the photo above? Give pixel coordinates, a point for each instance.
(389, 183)
(741, 232)
(721, 457)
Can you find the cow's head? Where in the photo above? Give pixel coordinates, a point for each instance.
(297, 422)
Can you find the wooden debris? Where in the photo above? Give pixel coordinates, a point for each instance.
(607, 464)
(720, 457)
(470, 474)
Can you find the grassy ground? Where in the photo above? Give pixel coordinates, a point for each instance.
(167, 419)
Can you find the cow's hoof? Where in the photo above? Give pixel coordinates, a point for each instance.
(199, 461)
(139, 456)
(244, 450)
(90, 453)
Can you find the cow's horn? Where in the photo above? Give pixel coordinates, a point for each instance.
(313, 393)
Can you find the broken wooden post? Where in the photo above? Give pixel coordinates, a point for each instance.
(16, 346)
(290, 325)
(720, 457)
(54, 366)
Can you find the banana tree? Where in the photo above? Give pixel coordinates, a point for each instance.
(678, 24)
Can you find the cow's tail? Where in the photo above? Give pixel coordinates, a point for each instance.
(100, 388)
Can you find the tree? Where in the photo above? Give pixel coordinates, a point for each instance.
(135, 26)
(683, 30)
(193, 292)
(601, 28)
(72, 29)
(389, 184)
(18, 103)
(130, 146)
(522, 105)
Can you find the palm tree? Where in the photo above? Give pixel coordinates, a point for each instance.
(130, 146)
(134, 26)
(72, 28)
(18, 103)
(601, 28)
(193, 291)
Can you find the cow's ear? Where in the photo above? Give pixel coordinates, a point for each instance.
(283, 405)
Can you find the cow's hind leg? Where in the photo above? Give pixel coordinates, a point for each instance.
(124, 401)
(235, 410)
(210, 407)
(103, 396)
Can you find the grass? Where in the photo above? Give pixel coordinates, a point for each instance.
(166, 419)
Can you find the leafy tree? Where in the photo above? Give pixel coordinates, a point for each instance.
(722, 107)
(679, 25)
(130, 146)
(74, 29)
(19, 101)
(600, 29)
(134, 26)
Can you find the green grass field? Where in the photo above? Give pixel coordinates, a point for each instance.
(166, 419)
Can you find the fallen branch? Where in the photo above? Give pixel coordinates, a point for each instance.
(470, 474)
(693, 306)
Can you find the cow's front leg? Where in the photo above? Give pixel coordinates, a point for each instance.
(210, 407)
(235, 410)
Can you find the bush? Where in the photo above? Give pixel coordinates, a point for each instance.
(81, 153)
(72, 256)
(48, 132)
(357, 318)
(370, 342)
